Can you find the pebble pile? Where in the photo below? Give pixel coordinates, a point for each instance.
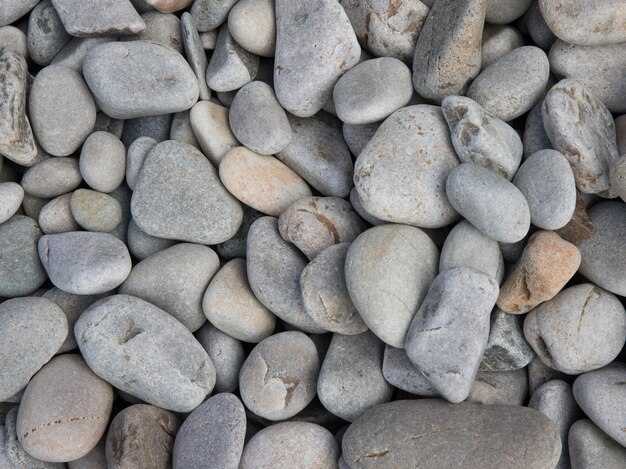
(280, 234)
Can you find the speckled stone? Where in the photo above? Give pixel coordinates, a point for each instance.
(210, 125)
(56, 216)
(231, 66)
(46, 35)
(195, 53)
(95, 211)
(52, 177)
(163, 28)
(357, 136)
(252, 24)
(535, 137)
(135, 158)
(617, 174)
(401, 373)
(14, 39)
(11, 196)
(537, 28)
(497, 41)
(182, 131)
(500, 387)
(103, 161)
(209, 14)
(73, 54)
(236, 246)
(591, 448)
(112, 17)
(226, 353)
(507, 348)
(13, 10)
(505, 11)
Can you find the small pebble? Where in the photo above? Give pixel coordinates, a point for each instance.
(14, 39)
(591, 448)
(227, 355)
(11, 196)
(210, 124)
(230, 66)
(252, 24)
(505, 11)
(103, 161)
(52, 177)
(135, 158)
(401, 373)
(498, 41)
(56, 216)
(95, 211)
(46, 35)
(195, 53)
(500, 388)
(209, 14)
(163, 28)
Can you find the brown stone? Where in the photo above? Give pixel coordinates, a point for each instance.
(579, 228)
(546, 265)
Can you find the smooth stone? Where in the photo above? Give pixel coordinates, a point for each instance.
(314, 223)
(372, 90)
(32, 205)
(103, 161)
(261, 181)
(500, 387)
(388, 271)
(62, 110)
(135, 158)
(56, 216)
(64, 411)
(387, 28)
(603, 253)
(453, 316)
(141, 245)
(279, 377)
(175, 280)
(539, 373)
(156, 78)
(357, 136)
(580, 126)
(258, 121)
(12, 10)
(226, 353)
(534, 137)
(11, 196)
(579, 22)
(447, 53)
(480, 138)
(94, 459)
(591, 448)
(555, 400)
(14, 39)
(252, 24)
(412, 147)
(507, 348)
(497, 41)
(123, 195)
(52, 177)
(231, 66)
(213, 435)
(106, 123)
(230, 305)
(205, 213)
(95, 211)
(73, 53)
(113, 17)
(118, 337)
(195, 53)
(155, 127)
(581, 329)
(547, 263)
(402, 374)
(141, 436)
(21, 272)
(579, 228)
(489, 202)
(236, 246)
(210, 14)
(210, 124)
(325, 294)
(274, 267)
(510, 86)
(617, 175)
(164, 28)
(46, 35)
(33, 331)
(182, 131)
(291, 444)
(465, 246)
(319, 154)
(168, 6)
(436, 433)
(349, 394)
(538, 30)
(601, 397)
(505, 11)
(315, 45)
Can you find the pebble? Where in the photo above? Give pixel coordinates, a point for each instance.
(349, 395)
(46, 35)
(535, 137)
(141, 436)
(116, 127)
(315, 45)
(73, 54)
(236, 246)
(537, 28)
(135, 158)
(156, 127)
(402, 374)
(288, 444)
(590, 447)
(617, 175)
(103, 161)
(580, 126)
(440, 328)
(94, 459)
(117, 18)
(13, 10)
(357, 136)
(448, 50)
(230, 305)
(21, 272)
(181, 129)
(258, 121)
(498, 433)
(318, 153)
(210, 14)
(500, 388)
(620, 129)
(64, 392)
(14, 39)
(52, 177)
(175, 280)
(33, 331)
(507, 11)
(139, 78)
(226, 353)
(497, 41)
(274, 267)
(601, 397)
(177, 375)
(11, 196)
(208, 40)
(539, 373)
(195, 53)
(141, 245)
(417, 153)
(507, 348)
(372, 90)
(168, 6)
(388, 271)
(584, 23)
(95, 211)
(252, 24)
(210, 124)
(581, 329)
(603, 251)
(164, 28)
(205, 213)
(547, 263)
(279, 377)
(261, 181)
(489, 202)
(231, 66)
(510, 86)
(212, 436)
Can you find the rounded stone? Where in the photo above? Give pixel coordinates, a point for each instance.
(103, 161)
(46, 34)
(401, 373)
(507, 348)
(13, 10)
(11, 196)
(135, 158)
(163, 28)
(61, 110)
(141, 245)
(590, 447)
(497, 41)
(500, 387)
(52, 177)
(95, 211)
(537, 28)
(94, 459)
(14, 39)
(357, 136)
(64, 411)
(227, 355)
(210, 14)
(388, 271)
(56, 216)
(236, 246)
(252, 24)
(231, 66)
(210, 125)
(279, 377)
(505, 11)
(139, 78)
(535, 137)
(118, 338)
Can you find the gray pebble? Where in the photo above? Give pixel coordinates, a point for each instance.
(95, 211)
(123, 195)
(182, 131)
(355, 200)
(141, 245)
(135, 157)
(209, 14)
(14, 39)
(103, 161)
(539, 373)
(226, 353)
(591, 448)
(118, 338)
(208, 39)
(210, 125)
(401, 373)
(497, 41)
(500, 388)
(73, 53)
(236, 246)
(11, 196)
(230, 66)
(163, 28)
(95, 459)
(195, 53)
(535, 137)
(507, 348)
(106, 123)
(620, 130)
(357, 136)
(52, 177)
(100, 19)
(84, 263)
(46, 36)
(505, 11)
(617, 174)
(252, 24)
(13, 10)
(156, 127)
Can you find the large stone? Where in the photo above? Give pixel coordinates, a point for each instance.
(591, 448)
(107, 17)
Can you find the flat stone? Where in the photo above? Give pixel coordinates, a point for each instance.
(175, 280)
(164, 28)
(315, 45)
(135, 158)
(46, 35)
(205, 213)
(252, 24)
(500, 387)
(590, 447)
(535, 137)
(583, 328)
(402, 374)
(14, 39)
(11, 196)
(109, 17)
(231, 66)
(213, 435)
(52, 177)
(507, 348)
(195, 53)
(95, 211)
(103, 161)
(447, 53)
(14, 9)
(210, 14)
(497, 41)
(210, 124)
(227, 355)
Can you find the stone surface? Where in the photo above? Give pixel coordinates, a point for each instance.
(164, 28)
(11, 196)
(14, 39)
(236, 246)
(537, 28)
(142, 350)
(535, 137)
(357, 136)
(500, 387)
(94, 459)
(401, 373)
(52, 177)
(14, 9)
(231, 66)
(103, 161)
(135, 158)
(108, 17)
(227, 355)
(73, 54)
(252, 24)
(507, 348)
(502, 12)
(497, 41)
(205, 213)
(210, 125)
(195, 53)
(95, 211)
(182, 131)
(591, 448)
(539, 373)
(209, 14)
(46, 35)
(168, 6)
(141, 245)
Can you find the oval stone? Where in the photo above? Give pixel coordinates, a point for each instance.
(103, 161)
(226, 353)
(590, 447)
(52, 177)
(11, 196)
(95, 211)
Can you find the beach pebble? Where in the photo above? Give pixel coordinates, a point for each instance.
(236, 246)
(100, 19)
(497, 41)
(163, 28)
(196, 57)
(507, 348)
(209, 14)
(95, 211)
(226, 353)
(537, 28)
(94, 459)
(14, 9)
(103, 161)
(357, 136)
(534, 137)
(52, 177)
(182, 131)
(500, 388)
(505, 11)
(135, 158)
(141, 245)
(11, 196)
(252, 24)
(402, 374)
(591, 448)
(211, 127)
(231, 66)
(46, 35)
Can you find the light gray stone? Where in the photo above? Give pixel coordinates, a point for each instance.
(12, 10)
(182, 131)
(355, 200)
(535, 137)
(357, 136)
(539, 373)
(500, 387)
(210, 125)
(209, 14)
(591, 448)
(52, 177)
(141, 245)
(135, 157)
(507, 348)
(103, 161)
(95, 211)
(505, 11)
(46, 35)
(537, 28)
(226, 353)
(252, 24)
(73, 53)
(617, 175)
(231, 66)
(14, 39)
(156, 127)
(108, 17)
(164, 28)
(11, 196)
(123, 195)
(497, 41)
(94, 459)
(401, 373)
(195, 53)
